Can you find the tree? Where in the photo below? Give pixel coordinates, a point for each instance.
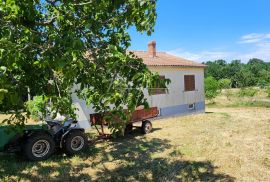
(244, 78)
(264, 78)
(255, 73)
(216, 69)
(49, 46)
(256, 65)
(232, 72)
(211, 87)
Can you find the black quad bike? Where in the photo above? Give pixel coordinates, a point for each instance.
(39, 142)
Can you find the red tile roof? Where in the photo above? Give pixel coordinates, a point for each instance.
(165, 59)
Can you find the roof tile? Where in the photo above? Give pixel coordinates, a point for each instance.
(165, 59)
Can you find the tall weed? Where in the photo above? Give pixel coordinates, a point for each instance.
(247, 92)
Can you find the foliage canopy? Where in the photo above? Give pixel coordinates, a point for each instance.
(49, 46)
(255, 72)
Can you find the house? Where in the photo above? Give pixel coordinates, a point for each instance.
(184, 95)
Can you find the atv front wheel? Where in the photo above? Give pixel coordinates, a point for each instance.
(38, 147)
(75, 142)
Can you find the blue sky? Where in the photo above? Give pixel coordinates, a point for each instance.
(204, 30)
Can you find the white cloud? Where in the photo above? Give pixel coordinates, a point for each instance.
(201, 56)
(259, 46)
(261, 51)
(254, 38)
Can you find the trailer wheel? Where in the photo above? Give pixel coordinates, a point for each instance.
(128, 128)
(146, 127)
(39, 146)
(75, 142)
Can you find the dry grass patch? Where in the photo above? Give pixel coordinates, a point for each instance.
(3, 117)
(7, 116)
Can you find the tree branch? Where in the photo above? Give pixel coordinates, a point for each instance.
(49, 22)
(82, 4)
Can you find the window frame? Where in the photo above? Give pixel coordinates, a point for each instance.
(158, 90)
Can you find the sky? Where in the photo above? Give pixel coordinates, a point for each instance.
(203, 30)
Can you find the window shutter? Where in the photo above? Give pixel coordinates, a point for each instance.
(189, 82)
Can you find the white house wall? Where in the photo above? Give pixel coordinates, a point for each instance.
(82, 111)
(177, 101)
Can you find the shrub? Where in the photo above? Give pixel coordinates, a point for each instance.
(211, 87)
(2, 94)
(224, 83)
(36, 107)
(262, 84)
(268, 92)
(247, 92)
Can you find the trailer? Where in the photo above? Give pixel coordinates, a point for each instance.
(139, 115)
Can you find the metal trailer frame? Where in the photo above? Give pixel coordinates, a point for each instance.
(139, 115)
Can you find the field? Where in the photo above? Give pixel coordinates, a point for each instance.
(225, 144)
(241, 98)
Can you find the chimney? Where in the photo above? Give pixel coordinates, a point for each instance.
(152, 49)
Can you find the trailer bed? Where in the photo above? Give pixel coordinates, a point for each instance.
(139, 115)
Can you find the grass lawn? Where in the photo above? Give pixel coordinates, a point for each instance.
(225, 144)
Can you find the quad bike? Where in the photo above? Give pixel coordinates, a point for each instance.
(39, 142)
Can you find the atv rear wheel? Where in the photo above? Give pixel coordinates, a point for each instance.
(39, 146)
(75, 142)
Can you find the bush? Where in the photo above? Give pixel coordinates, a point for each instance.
(262, 84)
(36, 107)
(2, 94)
(268, 92)
(211, 87)
(224, 83)
(247, 92)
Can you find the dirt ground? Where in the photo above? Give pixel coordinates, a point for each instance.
(224, 144)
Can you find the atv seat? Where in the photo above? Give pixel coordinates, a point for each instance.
(69, 122)
(53, 123)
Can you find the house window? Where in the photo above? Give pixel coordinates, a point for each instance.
(189, 82)
(191, 106)
(158, 88)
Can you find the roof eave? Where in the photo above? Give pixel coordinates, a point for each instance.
(203, 66)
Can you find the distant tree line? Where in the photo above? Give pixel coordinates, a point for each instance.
(255, 72)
